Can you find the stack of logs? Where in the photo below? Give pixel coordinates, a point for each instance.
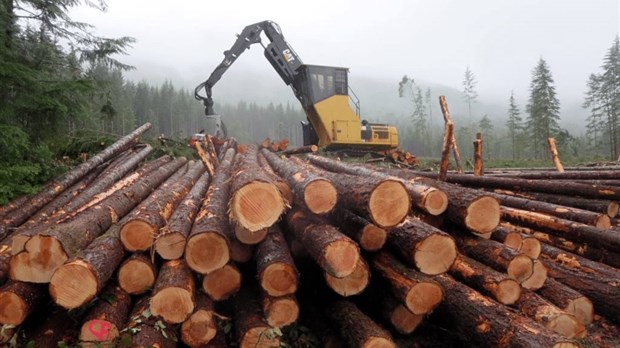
(113, 253)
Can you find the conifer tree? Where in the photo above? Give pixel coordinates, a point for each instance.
(543, 109)
(515, 126)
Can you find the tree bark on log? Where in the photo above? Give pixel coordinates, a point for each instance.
(587, 174)
(222, 283)
(280, 311)
(353, 284)
(401, 318)
(485, 280)
(102, 325)
(487, 323)
(208, 245)
(142, 226)
(137, 274)
(369, 236)
(283, 186)
(200, 328)
(498, 256)
(252, 331)
(255, 201)
(56, 186)
(143, 329)
(334, 252)
(569, 300)
(80, 279)
(174, 292)
(565, 228)
(18, 300)
(44, 253)
(357, 328)
(277, 274)
(417, 291)
(300, 150)
(171, 240)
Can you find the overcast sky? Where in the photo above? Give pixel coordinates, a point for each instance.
(432, 40)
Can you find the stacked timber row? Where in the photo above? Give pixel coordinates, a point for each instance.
(174, 251)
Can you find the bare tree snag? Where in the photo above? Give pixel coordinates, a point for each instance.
(310, 190)
(478, 162)
(208, 245)
(487, 323)
(280, 311)
(486, 280)
(252, 330)
(357, 329)
(565, 228)
(277, 274)
(334, 252)
(42, 254)
(415, 290)
(174, 291)
(171, 240)
(447, 119)
(200, 328)
(222, 283)
(353, 284)
(538, 278)
(498, 256)
(79, 280)
(369, 236)
(430, 250)
(18, 300)
(103, 323)
(142, 226)
(245, 236)
(554, 155)
(56, 186)
(255, 201)
(448, 134)
(569, 300)
(147, 330)
(300, 150)
(137, 274)
(401, 319)
(542, 311)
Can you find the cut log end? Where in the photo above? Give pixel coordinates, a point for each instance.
(136, 277)
(280, 312)
(206, 252)
(531, 247)
(137, 235)
(98, 332)
(341, 257)
(41, 256)
(389, 203)
(424, 297)
(170, 246)
(612, 209)
(73, 285)
(404, 321)
(222, 283)
(378, 342)
(566, 345)
(508, 291)
(245, 236)
(259, 337)
(603, 221)
(199, 328)
(513, 240)
(435, 254)
(520, 268)
(538, 277)
(279, 279)
(582, 309)
(352, 284)
(483, 215)
(320, 196)
(567, 325)
(172, 304)
(256, 205)
(13, 309)
(372, 237)
(436, 202)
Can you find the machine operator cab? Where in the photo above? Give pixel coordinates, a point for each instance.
(323, 91)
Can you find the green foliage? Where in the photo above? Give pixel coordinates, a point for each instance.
(515, 127)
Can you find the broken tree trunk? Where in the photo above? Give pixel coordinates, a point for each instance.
(334, 252)
(280, 311)
(18, 300)
(448, 134)
(200, 328)
(357, 329)
(207, 247)
(255, 201)
(488, 323)
(554, 155)
(174, 292)
(222, 283)
(478, 164)
(80, 279)
(401, 319)
(54, 187)
(102, 324)
(352, 284)
(447, 119)
(429, 249)
(486, 280)
(42, 254)
(171, 240)
(252, 330)
(415, 290)
(142, 226)
(369, 236)
(137, 274)
(310, 190)
(277, 274)
(569, 300)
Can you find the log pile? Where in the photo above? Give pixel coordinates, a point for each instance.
(353, 255)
